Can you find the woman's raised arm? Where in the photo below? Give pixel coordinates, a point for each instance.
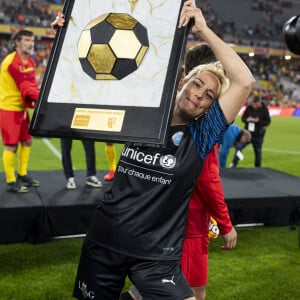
(241, 79)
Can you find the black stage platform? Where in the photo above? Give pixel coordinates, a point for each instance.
(254, 196)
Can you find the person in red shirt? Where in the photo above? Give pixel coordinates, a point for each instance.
(206, 201)
(18, 92)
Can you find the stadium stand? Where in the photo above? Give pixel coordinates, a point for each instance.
(27, 12)
(254, 22)
(33, 15)
(253, 27)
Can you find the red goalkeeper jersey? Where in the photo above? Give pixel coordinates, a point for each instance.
(18, 86)
(208, 200)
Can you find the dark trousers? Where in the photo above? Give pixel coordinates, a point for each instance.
(257, 143)
(257, 147)
(238, 147)
(90, 157)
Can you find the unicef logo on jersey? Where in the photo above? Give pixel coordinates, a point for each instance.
(177, 137)
(168, 161)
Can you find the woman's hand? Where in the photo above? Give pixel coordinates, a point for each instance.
(59, 21)
(191, 12)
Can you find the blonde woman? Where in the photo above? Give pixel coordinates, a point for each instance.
(138, 227)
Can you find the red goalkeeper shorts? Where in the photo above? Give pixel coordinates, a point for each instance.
(194, 260)
(14, 127)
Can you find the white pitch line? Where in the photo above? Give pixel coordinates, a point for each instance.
(249, 225)
(249, 148)
(282, 151)
(52, 148)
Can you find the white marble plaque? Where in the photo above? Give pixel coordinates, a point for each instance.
(143, 87)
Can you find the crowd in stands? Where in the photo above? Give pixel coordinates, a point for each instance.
(271, 74)
(27, 12)
(271, 10)
(268, 70)
(31, 13)
(265, 33)
(39, 13)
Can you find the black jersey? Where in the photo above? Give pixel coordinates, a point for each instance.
(144, 211)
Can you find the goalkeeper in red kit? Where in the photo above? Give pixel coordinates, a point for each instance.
(18, 92)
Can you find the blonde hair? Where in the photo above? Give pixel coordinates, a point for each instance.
(217, 69)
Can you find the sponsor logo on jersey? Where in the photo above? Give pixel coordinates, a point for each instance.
(166, 161)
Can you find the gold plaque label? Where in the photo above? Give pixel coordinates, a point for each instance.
(81, 120)
(98, 119)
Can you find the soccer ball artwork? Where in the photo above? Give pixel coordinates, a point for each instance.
(112, 46)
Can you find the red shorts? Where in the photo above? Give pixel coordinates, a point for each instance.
(194, 260)
(14, 126)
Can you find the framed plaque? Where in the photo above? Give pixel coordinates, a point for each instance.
(112, 73)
